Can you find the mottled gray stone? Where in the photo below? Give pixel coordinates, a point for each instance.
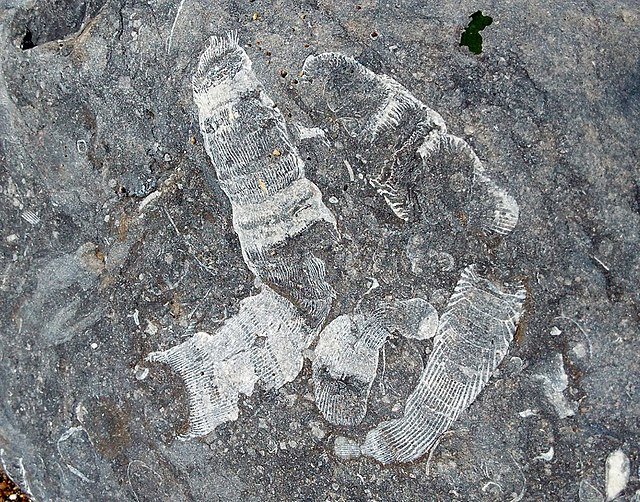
(99, 115)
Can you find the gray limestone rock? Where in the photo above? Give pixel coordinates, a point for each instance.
(115, 244)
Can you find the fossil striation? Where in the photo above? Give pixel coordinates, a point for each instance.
(263, 342)
(410, 144)
(282, 225)
(473, 336)
(285, 232)
(368, 105)
(278, 213)
(346, 356)
(454, 175)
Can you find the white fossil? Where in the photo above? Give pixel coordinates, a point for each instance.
(378, 111)
(410, 144)
(618, 471)
(281, 223)
(346, 356)
(473, 337)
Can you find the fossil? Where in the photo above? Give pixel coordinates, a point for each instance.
(369, 105)
(282, 224)
(261, 342)
(286, 232)
(346, 356)
(409, 142)
(473, 336)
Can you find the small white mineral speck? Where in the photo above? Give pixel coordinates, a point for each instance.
(151, 328)
(546, 456)
(316, 430)
(617, 473)
(579, 350)
(81, 412)
(555, 331)
(140, 372)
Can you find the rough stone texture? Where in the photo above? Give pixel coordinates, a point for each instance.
(99, 114)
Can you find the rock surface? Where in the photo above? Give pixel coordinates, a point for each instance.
(113, 245)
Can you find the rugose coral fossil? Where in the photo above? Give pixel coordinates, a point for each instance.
(284, 227)
(281, 223)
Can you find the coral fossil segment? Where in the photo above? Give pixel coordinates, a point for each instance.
(281, 222)
(378, 111)
(474, 334)
(346, 356)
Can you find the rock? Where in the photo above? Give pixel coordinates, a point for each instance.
(617, 474)
(589, 493)
(117, 241)
(554, 383)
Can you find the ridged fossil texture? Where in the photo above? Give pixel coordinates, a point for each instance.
(475, 330)
(376, 110)
(284, 229)
(346, 356)
(281, 223)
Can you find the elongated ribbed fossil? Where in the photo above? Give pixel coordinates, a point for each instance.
(281, 223)
(474, 334)
(413, 149)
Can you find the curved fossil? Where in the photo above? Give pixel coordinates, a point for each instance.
(412, 146)
(281, 223)
(474, 334)
(346, 356)
(284, 228)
